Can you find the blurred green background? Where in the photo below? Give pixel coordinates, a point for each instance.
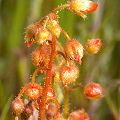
(103, 68)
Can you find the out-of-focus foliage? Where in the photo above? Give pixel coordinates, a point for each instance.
(103, 68)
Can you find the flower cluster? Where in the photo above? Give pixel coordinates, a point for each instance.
(45, 32)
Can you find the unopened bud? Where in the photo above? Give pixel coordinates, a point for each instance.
(93, 91)
(40, 57)
(78, 115)
(74, 50)
(17, 107)
(42, 35)
(69, 74)
(50, 110)
(30, 33)
(83, 6)
(28, 110)
(34, 92)
(93, 46)
(56, 30)
(51, 92)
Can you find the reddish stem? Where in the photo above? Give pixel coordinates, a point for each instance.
(21, 92)
(57, 104)
(48, 79)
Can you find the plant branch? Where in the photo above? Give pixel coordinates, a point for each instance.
(48, 78)
(66, 101)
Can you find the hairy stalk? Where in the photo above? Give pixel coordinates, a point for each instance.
(66, 101)
(48, 79)
(21, 92)
(61, 7)
(34, 75)
(57, 104)
(77, 85)
(66, 35)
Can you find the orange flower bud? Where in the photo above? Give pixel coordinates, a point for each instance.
(83, 6)
(54, 27)
(17, 107)
(93, 91)
(56, 30)
(74, 50)
(78, 115)
(51, 92)
(30, 33)
(93, 46)
(69, 74)
(34, 92)
(40, 57)
(42, 35)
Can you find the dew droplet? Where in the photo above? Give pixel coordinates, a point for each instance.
(28, 43)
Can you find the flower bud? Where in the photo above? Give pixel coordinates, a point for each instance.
(56, 30)
(54, 27)
(17, 107)
(42, 35)
(50, 110)
(28, 110)
(40, 57)
(34, 92)
(74, 50)
(69, 74)
(93, 46)
(30, 33)
(51, 92)
(78, 115)
(93, 91)
(83, 6)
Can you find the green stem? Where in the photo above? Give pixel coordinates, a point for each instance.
(66, 101)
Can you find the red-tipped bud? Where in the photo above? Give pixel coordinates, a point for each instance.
(50, 110)
(69, 74)
(42, 35)
(93, 91)
(17, 107)
(93, 46)
(28, 110)
(40, 57)
(83, 6)
(34, 92)
(78, 115)
(30, 33)
(74, 50)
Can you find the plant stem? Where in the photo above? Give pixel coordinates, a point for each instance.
(66, 35)
(61, 7)
(66, 101)
(77, 85)
(21, 92)
(48, 79)
(34, 75)
(57, 104)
